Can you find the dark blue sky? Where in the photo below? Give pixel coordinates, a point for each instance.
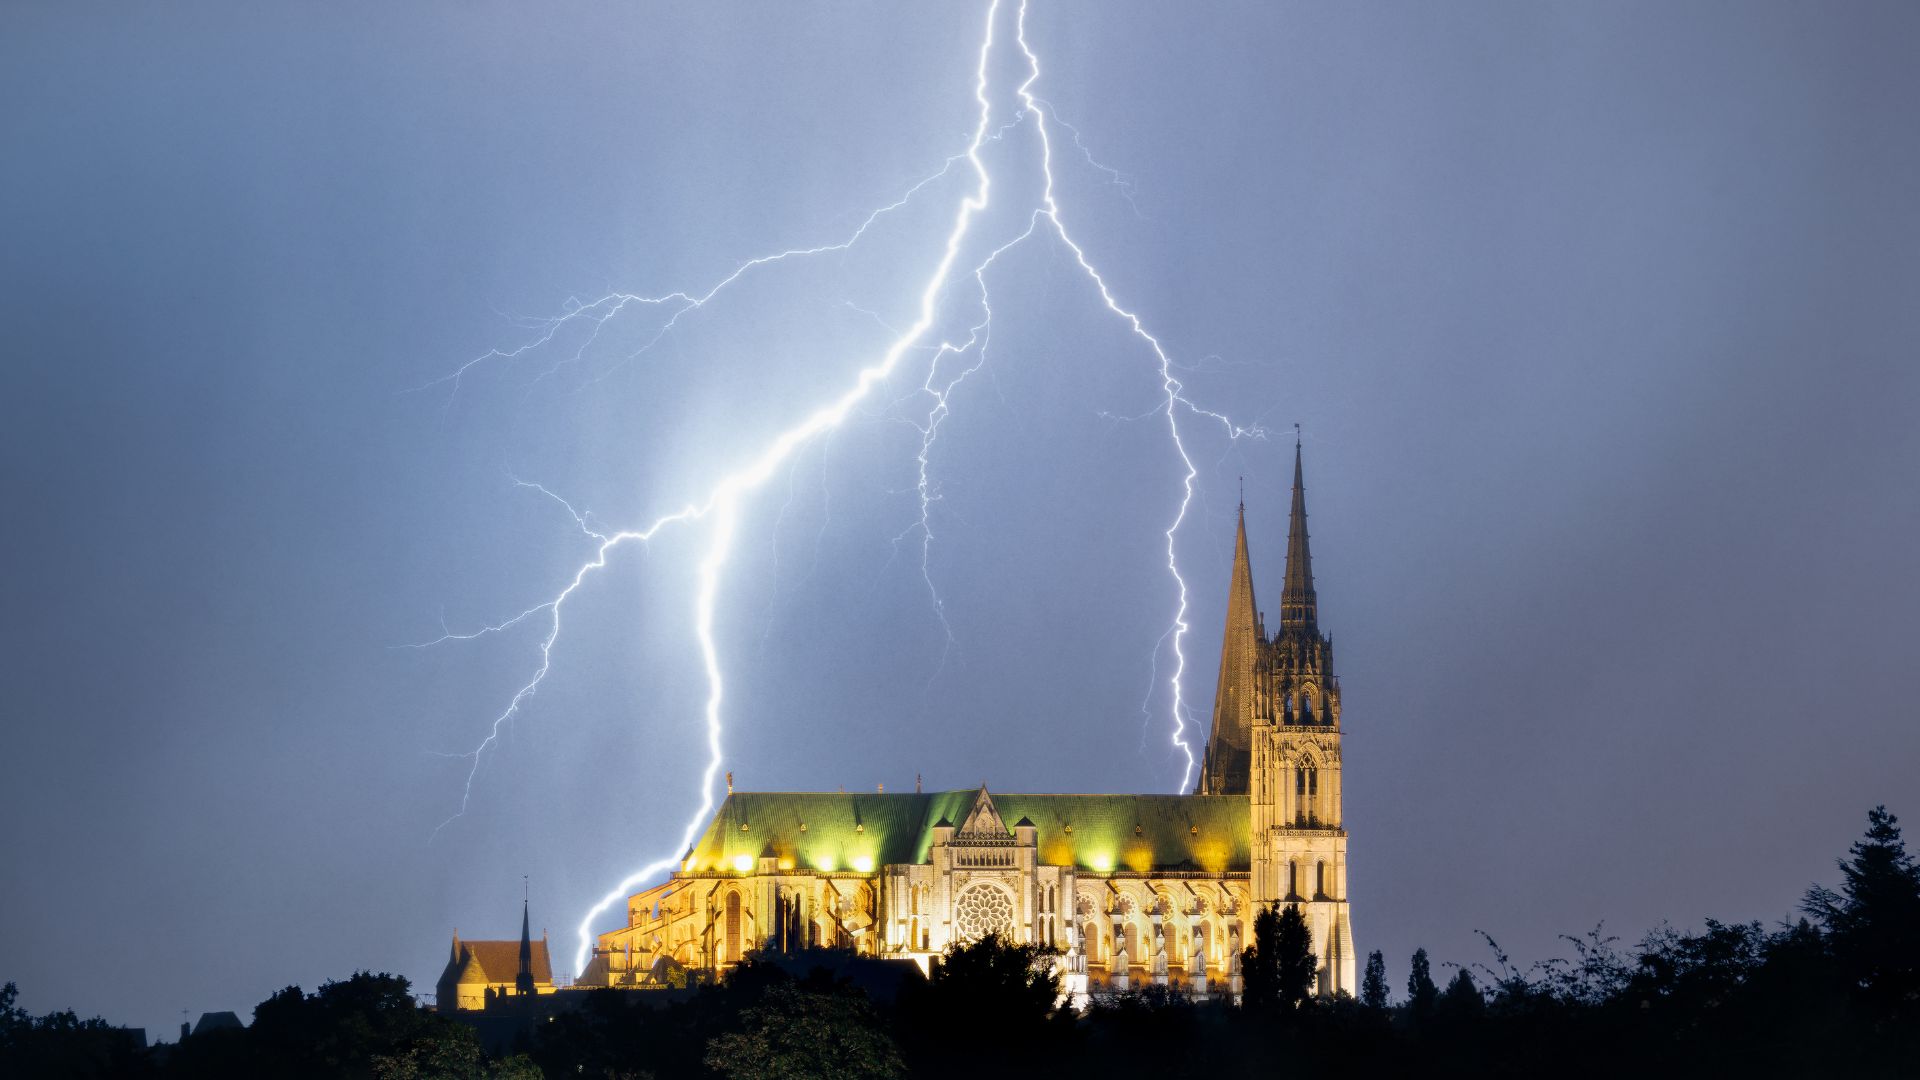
(1598, 319)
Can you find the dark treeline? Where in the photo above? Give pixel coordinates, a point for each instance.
(1836, 991)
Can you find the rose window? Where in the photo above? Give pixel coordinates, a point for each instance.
(982, 910)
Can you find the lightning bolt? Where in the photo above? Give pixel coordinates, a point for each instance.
(952, 363)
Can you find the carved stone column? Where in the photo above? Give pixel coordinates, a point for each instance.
(1159, 945)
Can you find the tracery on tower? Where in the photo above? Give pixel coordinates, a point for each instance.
(1286, 679)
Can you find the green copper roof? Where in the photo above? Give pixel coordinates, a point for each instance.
(831, 832)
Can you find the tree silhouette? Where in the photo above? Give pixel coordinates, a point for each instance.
(1421, 992)
(1277, 968)
(1296, 963)
(986, 985)
(1873, 922)
(793, 1032)
(1462, 1000)
(1260, 961)
(1373, 987)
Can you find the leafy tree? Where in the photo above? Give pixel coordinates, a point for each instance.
(1296, 963)
(1462, 1000)
(517, 1067)
(445, 1051)
(1260, 961)
(1373, 986)
(1152, 1031)
(60, 1043)
(796, 1033)
(1277, 968)
(987, 985)
(1421, 992)
(1597, 973)
(366, 1025)
(13, 1019)
(1873, 922)
(1016, 981)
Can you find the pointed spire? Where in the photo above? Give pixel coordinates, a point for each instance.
(1232, 736)
(1298, 608)
(1242, 612)
(523, 981)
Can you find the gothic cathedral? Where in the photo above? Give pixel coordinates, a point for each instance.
(1133, 890)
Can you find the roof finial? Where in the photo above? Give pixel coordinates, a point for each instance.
(1296, 434)
(1243, 495)
(729, 781)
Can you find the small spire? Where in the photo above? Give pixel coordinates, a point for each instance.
(523, 980)
(1298, 608)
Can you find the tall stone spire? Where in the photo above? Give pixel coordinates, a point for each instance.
(1231, 740)
(1298, 608)
(523, 982)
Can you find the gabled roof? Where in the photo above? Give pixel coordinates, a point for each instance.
(495, 962)
(844, 832)
(984, 819)
(217, 1021)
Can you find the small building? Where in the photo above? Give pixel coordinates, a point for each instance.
(217, 1021)
(480, 971)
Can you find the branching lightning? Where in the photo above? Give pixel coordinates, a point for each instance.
(717, 514)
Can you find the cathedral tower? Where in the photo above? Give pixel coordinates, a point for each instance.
(1276, 738)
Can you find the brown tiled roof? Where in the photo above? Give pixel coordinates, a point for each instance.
(496, 962)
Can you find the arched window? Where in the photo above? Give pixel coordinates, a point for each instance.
(1133, 943)
(733, 927)
(1320, 879)
(1293, 878)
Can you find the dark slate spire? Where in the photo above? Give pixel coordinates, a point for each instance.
(1298, 609)
(1228, 747)
(523, 982)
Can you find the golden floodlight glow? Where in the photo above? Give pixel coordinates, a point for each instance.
(863, 863)
(743, 863)
(1103, 861)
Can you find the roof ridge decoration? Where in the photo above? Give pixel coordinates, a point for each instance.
(984, 820)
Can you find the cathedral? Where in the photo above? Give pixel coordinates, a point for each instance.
(1132, 890)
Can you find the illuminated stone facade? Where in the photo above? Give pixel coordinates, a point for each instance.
(480, 971)
(1133, 890)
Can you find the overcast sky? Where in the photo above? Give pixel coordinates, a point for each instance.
(1598, 320)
